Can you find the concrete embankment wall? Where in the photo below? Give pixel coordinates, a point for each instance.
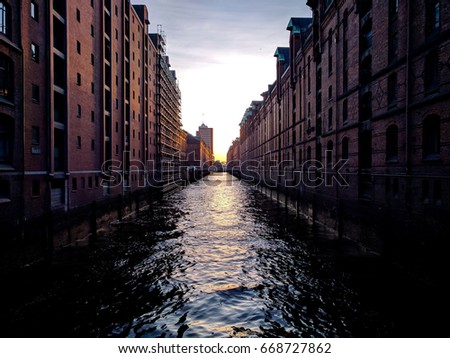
(35, 241)
(417, 242)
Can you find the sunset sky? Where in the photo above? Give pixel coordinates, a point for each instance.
(222, 51)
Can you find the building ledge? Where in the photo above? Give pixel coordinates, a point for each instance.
(4, 101)
(6, 168)
(5, 40)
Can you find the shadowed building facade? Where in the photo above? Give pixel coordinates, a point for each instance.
(366, 83)
(82, 87)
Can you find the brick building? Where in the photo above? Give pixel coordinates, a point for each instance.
(81, 98)
(168, 113)
(366, 82)
(198, 152)
(207, 134)
(233, 155)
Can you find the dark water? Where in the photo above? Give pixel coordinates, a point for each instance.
(218, 259)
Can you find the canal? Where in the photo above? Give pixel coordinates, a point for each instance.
(218, 259)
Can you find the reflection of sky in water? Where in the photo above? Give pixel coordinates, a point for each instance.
(235, 275)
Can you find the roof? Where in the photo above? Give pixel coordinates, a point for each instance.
(283, 54)
(299, 24)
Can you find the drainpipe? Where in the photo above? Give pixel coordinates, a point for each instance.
(408, 60)
(336, 146)
(337, 37)
(21, 220)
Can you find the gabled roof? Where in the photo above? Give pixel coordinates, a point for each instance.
(282, 53)
(299, 24)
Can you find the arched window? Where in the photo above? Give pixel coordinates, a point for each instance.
(5, 19)
(392, 143)
(345, 148)
(431, 137)
(6, 77)
(6, 138)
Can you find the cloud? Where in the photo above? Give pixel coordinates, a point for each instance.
(223, 51)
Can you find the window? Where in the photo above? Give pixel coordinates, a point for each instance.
(92, 88)
(78, 110)
(4, 190)
(431, 70)
(319, 79)
(92, 144)
(78, 15)
(433, 16)
(6, 77)
(330, 93)
(330, 118)
(92, 31)
(92, 59)
(431, 138)
(393, 46)
(425, 191)
(319, 152)
(35, 135)
(92, 3)
(36, 188)
(79, 79)
(345, 148)
(345, 51)
(35, 93)
(309, 74)
(437, 192)
(34, 9)
(83, 182)
(92, 116)
(74, 184)
(365, 149)
(366, 106)
(5, 19)
(392, 90)
(393, 8)
(330, 54)
(34, 52)
(78, 142)
(392, 143)
(345, 111)
(90, 182)
(79, 47)
(329, 156)
(6, 140)
(395, 188)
